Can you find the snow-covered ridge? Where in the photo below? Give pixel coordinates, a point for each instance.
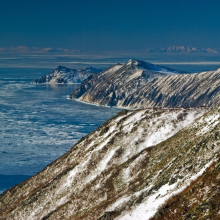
(65, 75)
(154, 67)
(132, 161)
(185, 90)
(138, 84)
(119, 81)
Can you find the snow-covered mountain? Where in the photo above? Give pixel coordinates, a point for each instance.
(65, 75)
(142, 85)
(143, 164)
(119, 81)
(188, 90)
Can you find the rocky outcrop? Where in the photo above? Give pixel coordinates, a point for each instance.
(65, 75)
(119, 81)
(137, 165)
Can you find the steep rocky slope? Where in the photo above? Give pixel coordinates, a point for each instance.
(65, 75)
(188, 90)
(133, 86)
(119, 81)
(134, 166)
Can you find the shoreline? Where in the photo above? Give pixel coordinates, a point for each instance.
(90, 103)
(133, 109)
(48, 83)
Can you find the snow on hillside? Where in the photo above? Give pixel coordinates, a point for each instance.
(111, 169)
(183, 90)
(153, 67)
(117, 82)
(150, 206)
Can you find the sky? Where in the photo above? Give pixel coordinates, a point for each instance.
(109, 25)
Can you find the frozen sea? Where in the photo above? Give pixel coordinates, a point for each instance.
(38, 122)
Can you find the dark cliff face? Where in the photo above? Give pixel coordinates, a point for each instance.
(119, 81)
(135, 165)
(66, 75)
(190, 90)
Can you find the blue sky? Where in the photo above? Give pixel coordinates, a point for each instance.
(109, 25)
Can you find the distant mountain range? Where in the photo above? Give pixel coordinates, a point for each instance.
(24, 49)
(172, 49)
(182, 49)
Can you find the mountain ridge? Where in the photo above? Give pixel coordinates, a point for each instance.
(183, 49)
(189, 90)
(148, 88)
(171, 49)
(118, 81)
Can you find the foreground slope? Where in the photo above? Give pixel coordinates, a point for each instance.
(65, 75)
(199, 200)
(126, 169)
(188, 90)
(119, 81)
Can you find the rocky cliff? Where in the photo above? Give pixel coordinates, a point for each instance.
(137, 165)
(65, 75)
(119, 81)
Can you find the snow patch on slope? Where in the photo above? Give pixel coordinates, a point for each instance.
(148, 208)
(166, 127)
(92, 162)
(157, 131)
(210, 122)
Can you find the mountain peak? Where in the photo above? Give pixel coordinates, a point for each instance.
(61, 68)
(115, 83)
(134, 62)
(152, 67)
